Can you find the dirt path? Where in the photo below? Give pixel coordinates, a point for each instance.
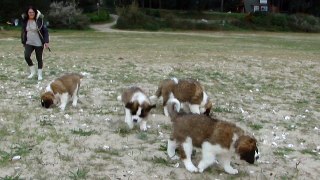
(106, 27)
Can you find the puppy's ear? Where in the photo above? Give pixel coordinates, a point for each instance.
(42, 102)
(207, 112)
(129, 105)
(246, 148)
(208, 107)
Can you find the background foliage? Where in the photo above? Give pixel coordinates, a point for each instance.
(66, 15)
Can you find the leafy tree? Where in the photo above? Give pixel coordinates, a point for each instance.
(12, 9)
(67, 16)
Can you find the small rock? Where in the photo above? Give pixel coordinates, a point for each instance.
(176, 165)
(284, 136)
(264, 142)
(263, 162)
(160, 134)
(15, 158)
(290, 145)
(67, 116)
(105, 147)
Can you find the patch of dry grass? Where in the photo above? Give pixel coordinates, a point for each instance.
(267, 83)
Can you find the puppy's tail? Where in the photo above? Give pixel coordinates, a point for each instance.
(158, 92)
(173, 108)
(157, 95)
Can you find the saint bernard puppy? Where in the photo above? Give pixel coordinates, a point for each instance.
(219, 140)
(61, 90)
(137, 107)
(189, 92)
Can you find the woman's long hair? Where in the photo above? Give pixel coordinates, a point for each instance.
(35, 12)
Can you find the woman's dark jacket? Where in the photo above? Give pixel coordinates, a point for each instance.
(42, 29)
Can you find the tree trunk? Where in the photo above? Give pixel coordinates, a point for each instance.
(221, 8)
(160, 4)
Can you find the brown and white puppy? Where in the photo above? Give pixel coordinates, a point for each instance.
(218, 139)
(189, 92)
(137, 107)
(61, 90)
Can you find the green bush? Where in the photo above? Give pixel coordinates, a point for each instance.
(279, 20)
(303, 22)
(153, 12)
(67, 16)
(261, 19)
(132, 18)
(150, 19)
(99, 16)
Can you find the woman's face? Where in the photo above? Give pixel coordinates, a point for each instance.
(31, 14)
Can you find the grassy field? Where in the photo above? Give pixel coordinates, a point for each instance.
(267, 83)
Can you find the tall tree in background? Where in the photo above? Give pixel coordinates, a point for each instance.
(221, 6)
(12, 9)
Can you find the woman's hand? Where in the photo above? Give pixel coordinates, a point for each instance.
(46, 45)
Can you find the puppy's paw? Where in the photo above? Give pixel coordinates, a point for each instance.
(201, 167)
(130, 125)
(191, 168)
(143, 128)
(62, 108)
(230, 170)
(74, 104)
(165, 111)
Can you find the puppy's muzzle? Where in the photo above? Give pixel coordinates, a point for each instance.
(45, 105)
(256, 155)
(135, 120)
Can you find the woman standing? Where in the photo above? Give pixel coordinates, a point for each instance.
(34, 37)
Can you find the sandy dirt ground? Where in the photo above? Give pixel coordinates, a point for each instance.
(266, 83)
